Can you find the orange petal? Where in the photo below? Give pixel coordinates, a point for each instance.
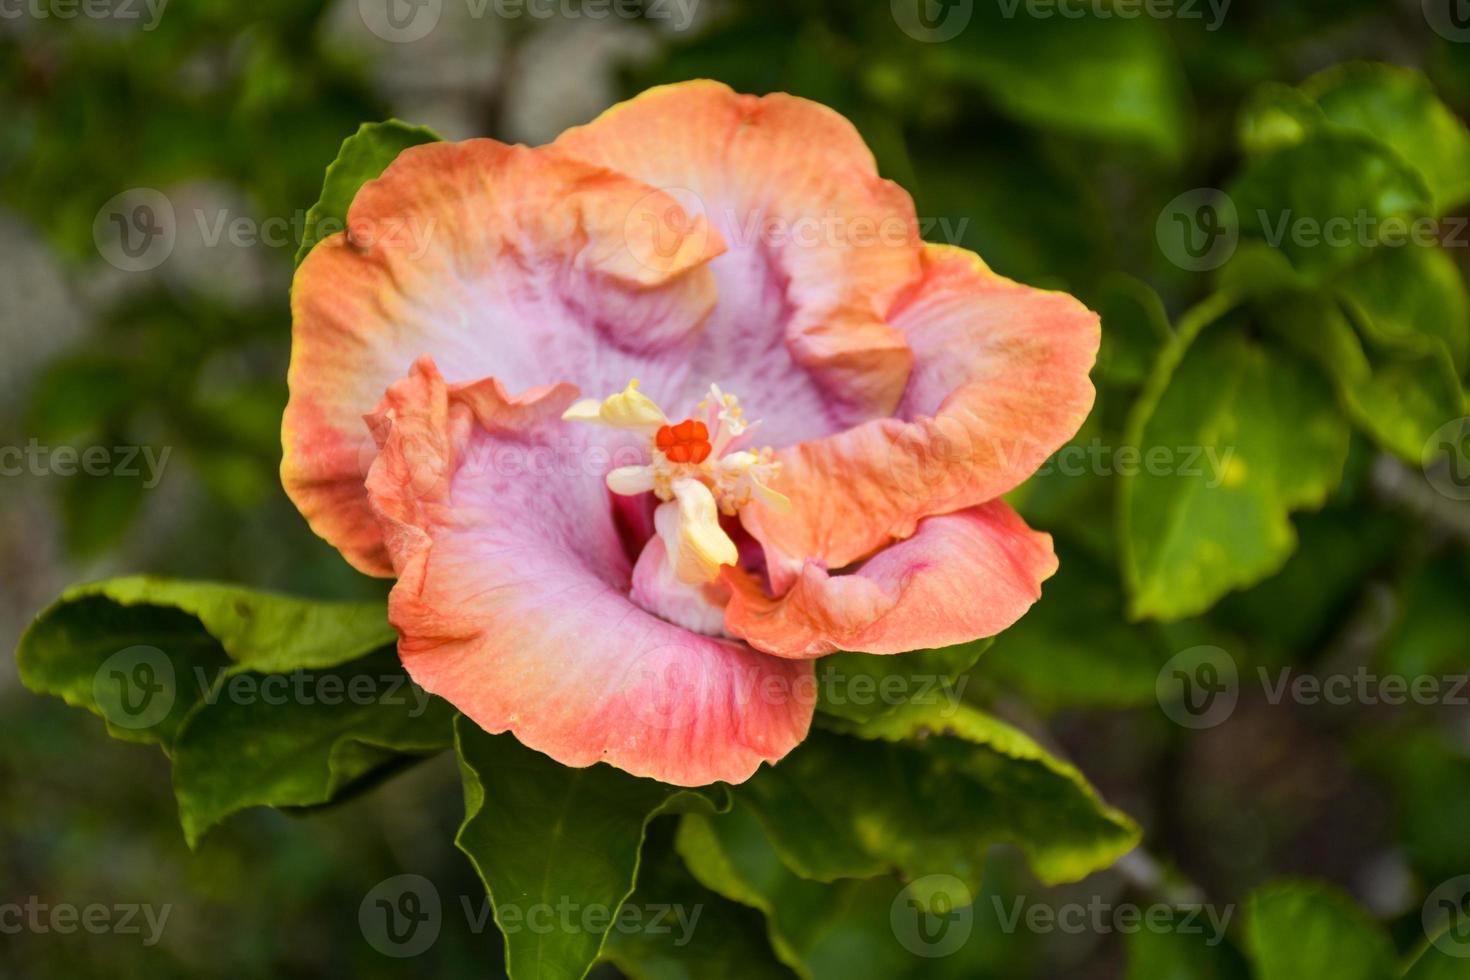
(960, 577)
(999, 384)
(819, 245)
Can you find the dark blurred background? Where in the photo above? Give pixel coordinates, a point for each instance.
(1050, 147)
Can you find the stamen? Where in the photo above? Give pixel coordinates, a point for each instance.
(690, 465)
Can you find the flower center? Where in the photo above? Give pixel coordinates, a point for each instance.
(697, 474)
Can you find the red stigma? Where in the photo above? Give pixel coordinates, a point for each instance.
(687, 442)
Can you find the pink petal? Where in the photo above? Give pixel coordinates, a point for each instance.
(1000, 383)
(512, 597)
(496, 259)
(960, 577)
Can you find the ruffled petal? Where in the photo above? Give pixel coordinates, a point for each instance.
(495, 259)
(1000, 383)
(512, 600)
(819, 246)
(960, 577)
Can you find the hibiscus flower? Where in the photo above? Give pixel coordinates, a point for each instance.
(647, 419)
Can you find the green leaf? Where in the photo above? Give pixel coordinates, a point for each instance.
(731, 855)
(260, 699)
(1189, 537)
(1413, 299)
(848, 930)
(301, 739)
(541, 834)
(130, 649)
(1304, 931)
(926, 790)
(1134, 328)
(956, 781)
(1258, 271)
(1169, 954)
(363, 156)
(1104, 78)
(1399, 399)
(1326, 202)
(1277, 116)
(1399, 107)
(705, 937)
(861, 686)
(1410, 303)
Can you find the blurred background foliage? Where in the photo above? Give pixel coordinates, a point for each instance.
(1050, 146)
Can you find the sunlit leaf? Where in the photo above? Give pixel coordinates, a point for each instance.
(926, 789)
(1411, 298)
(1191, 537)
(129, 649)
(1330, 200)
(1399, 107)
(1400, 399)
